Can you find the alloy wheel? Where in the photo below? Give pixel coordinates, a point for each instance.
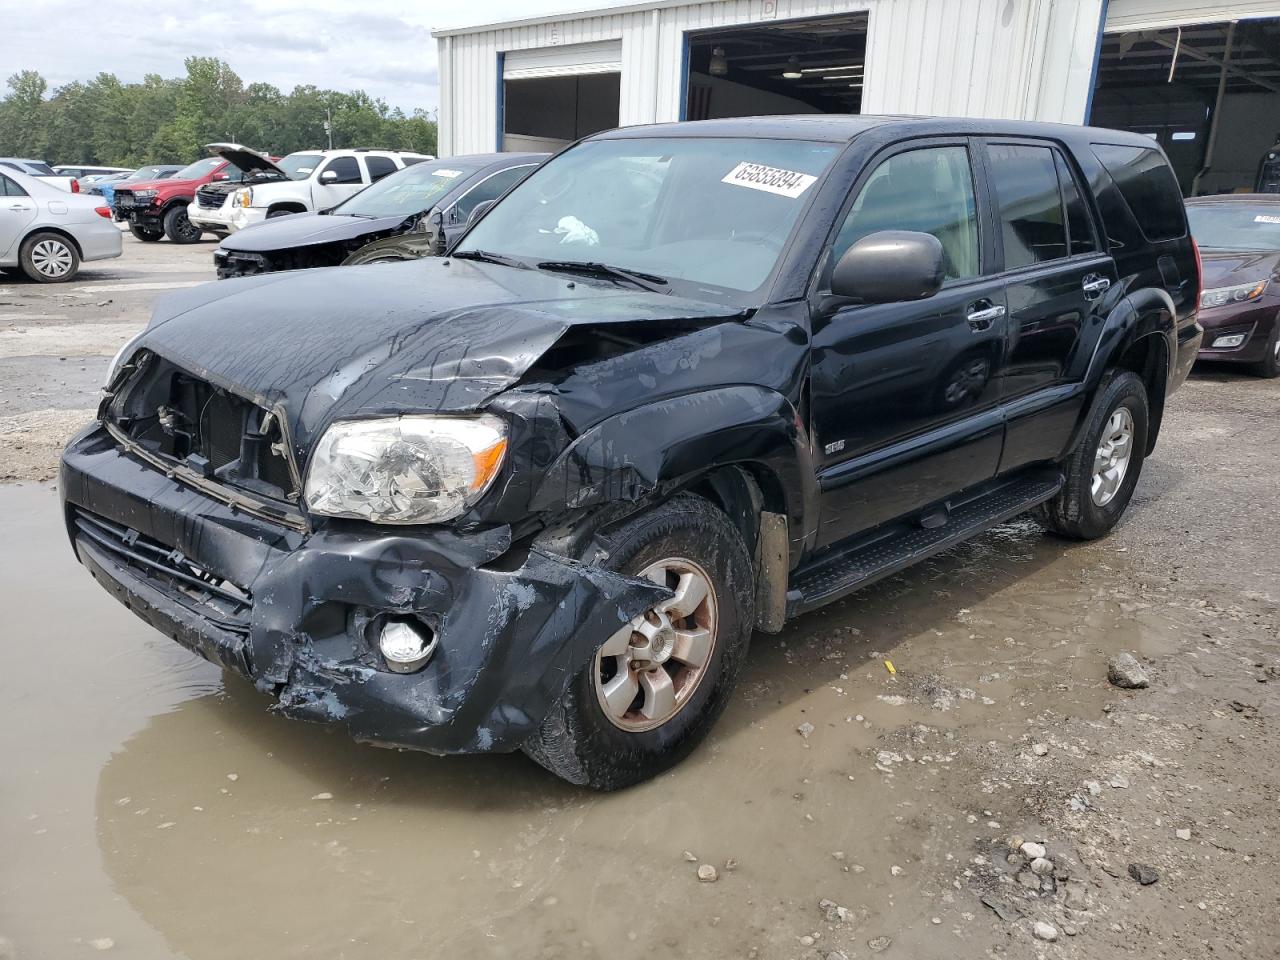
(647, 672)
(1111, 461)
(52, 258)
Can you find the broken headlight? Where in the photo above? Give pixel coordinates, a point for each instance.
(405, 469)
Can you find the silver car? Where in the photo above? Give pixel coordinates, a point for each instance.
(47, 232)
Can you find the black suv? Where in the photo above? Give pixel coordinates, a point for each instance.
(684, 382)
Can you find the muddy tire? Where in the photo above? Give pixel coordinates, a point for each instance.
(48, 257)
(1103, 469)
(146, 234)
(591, 738)
(178, 228)
(1269, 366)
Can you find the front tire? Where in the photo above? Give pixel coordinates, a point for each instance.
(1103, 469)
(178, 228)
(146, 234)
(49, 258)
(1269, 366)
(655, 688)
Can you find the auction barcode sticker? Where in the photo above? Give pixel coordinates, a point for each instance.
(447, 174)
(1265, 218)
(756, 176)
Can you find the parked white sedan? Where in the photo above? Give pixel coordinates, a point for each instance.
(47, 232)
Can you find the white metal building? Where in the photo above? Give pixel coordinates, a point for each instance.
(544, 81)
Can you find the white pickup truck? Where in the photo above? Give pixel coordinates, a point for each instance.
(38, 168)
(301, 182)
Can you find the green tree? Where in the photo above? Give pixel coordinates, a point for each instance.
(23, 119)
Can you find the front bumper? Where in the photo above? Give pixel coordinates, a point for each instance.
(242, 217)
(150, 216)
(1255, 322)
(513, 625)
(218, 219)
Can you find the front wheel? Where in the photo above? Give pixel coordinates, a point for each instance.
(1269, 365)
(1103, 469)
(178, 228)
(653, 690)
(146, 234)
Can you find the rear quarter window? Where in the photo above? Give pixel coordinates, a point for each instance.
(1149, 189)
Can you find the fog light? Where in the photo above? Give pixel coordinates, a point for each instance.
(1231, 340)
(406, 647)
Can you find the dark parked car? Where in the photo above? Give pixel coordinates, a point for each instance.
(1239, 238)
(414, 212)
(683, 382)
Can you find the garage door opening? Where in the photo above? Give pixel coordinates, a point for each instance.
(794, 66)
(551, 96)
(1209, 93)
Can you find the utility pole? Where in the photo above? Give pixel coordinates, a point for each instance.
(328, 125)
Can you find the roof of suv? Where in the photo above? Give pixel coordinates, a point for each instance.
(842, 127)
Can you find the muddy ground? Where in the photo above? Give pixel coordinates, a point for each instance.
(149, 806)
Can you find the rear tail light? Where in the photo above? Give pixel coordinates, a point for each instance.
(103, 212)
(1199, 269)
(75, 185)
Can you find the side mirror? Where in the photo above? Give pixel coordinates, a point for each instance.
(329, 176)
(479, 209)
(218, 176)
(890, 266)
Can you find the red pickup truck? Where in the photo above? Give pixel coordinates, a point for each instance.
(158, 208)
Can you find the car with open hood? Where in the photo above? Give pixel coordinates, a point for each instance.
(416, 212)
(210, 210)
(155, 209)
(682, 383)
(1239, 238)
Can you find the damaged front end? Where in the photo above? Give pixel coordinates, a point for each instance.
(302, 614)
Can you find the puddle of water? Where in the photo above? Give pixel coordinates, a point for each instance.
(120, 816)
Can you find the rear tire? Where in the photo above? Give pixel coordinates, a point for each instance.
(272, 214)
(48, 257)
(588, 743)
(1269, 366)
(178, 228)
(1098, 485)
(146, 234)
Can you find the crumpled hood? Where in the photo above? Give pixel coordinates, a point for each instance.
(422, 336)
(1226, 268)
(305, 229)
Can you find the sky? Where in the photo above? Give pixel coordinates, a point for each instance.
(387, 51)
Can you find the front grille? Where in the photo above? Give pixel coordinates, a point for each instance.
(217, 435)
(224, 604)
(210, 197)
(124, 199)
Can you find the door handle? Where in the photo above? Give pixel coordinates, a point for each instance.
(18, 206)
(980, 318)
(1095, 286)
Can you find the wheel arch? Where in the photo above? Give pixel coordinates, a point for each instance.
(292, 206)
(66, 235)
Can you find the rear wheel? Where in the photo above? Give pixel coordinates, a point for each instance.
(1269, 365)
(146, 234)
(178, 228)
(1103, 469)
(280, 212)
(49, 258)
(653, 689)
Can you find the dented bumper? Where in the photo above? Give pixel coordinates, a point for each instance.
(298, 613)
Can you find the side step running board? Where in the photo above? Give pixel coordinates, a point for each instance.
(898, 547)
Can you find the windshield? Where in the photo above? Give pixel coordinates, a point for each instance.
(299, 166)
(1235, 226)
(708, 214)
(201, 168)
(405, 192)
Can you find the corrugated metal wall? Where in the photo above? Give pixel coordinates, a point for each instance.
(1149, 14)
(1030, 59)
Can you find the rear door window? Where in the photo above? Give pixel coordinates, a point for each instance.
(379, 167)
(1080, 234)
(1148, 187)
(1032, 226)
(9, 188)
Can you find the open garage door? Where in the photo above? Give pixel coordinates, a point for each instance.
(551, 96)
(790, 66)
(1209, 93)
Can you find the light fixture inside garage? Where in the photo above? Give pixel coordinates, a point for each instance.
(719, 66)
(793, 71)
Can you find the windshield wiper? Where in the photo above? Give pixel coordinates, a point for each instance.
(487, 257)
(645, 281)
